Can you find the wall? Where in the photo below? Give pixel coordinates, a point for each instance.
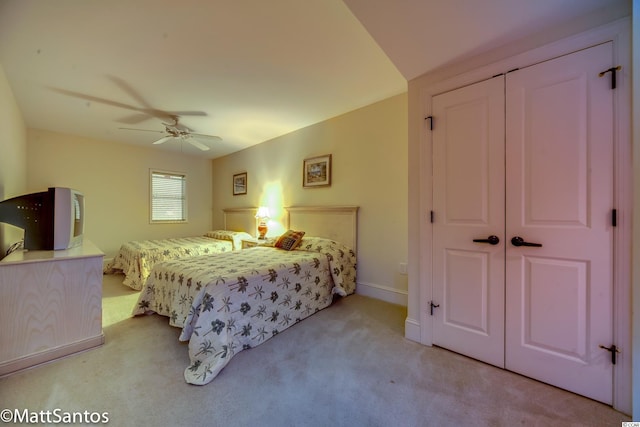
(115, 181)
(369, 159)
(13, 157)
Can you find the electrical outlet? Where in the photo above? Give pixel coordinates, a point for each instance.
(402, 268)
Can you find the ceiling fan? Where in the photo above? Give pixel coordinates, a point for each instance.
(181, 133)
(145, 112)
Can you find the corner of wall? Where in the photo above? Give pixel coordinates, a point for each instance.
(13, 156)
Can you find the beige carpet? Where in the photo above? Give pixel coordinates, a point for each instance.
(348, 365)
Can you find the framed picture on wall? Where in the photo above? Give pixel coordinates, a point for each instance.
(240, 184)
(316, 171)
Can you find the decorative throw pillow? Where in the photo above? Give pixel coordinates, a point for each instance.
(289, 240)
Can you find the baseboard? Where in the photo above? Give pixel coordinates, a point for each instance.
(384, 293)
(412, 330)
(48, 355)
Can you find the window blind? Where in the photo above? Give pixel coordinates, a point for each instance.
(168, 197)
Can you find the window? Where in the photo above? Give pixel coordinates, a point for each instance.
(168, 196)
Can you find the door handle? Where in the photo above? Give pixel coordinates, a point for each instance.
(492, 240)
(519, 241)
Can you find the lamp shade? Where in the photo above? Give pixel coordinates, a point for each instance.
(263, 212)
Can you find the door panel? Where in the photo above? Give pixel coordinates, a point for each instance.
(554, 165)
(465, 296)
(466, 200)
(468, 147)
(555, 325)
(559, 186)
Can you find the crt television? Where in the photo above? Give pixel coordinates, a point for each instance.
(52, 219)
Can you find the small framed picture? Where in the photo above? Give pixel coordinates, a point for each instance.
(240, 183)
(316, 171)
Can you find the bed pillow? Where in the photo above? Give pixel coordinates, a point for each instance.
(289, 240)
(235, 236)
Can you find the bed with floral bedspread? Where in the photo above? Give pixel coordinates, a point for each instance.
(237, 300)
(135, 259)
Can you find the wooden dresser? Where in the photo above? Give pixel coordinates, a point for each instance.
(50, 305)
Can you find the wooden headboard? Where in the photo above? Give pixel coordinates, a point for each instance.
(240, 219)
(338, 223)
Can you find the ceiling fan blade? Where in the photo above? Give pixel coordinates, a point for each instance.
(187, 113)
(146, 110)
(134, 119)
(197, 144)
(130, 90)
(163, 140)
(144, 130)
(94, 99)
(208, 137)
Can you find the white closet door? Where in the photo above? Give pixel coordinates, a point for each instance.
(559, 192)
(543, 310)
(468, 200)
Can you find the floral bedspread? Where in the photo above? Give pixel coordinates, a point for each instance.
(136, 258)
(233, 301)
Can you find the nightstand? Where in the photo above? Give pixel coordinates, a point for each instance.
(249, 243)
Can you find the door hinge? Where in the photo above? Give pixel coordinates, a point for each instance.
(432, 306)
(613, 71)
(431, 216)
(614, 218)
(430, 118)
(614, 350)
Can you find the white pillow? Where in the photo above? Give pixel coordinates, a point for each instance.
(235, 236)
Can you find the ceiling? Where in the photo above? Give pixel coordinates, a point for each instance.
(422, 35)
(247, 70)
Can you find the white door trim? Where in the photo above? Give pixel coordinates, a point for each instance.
(420, 93)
